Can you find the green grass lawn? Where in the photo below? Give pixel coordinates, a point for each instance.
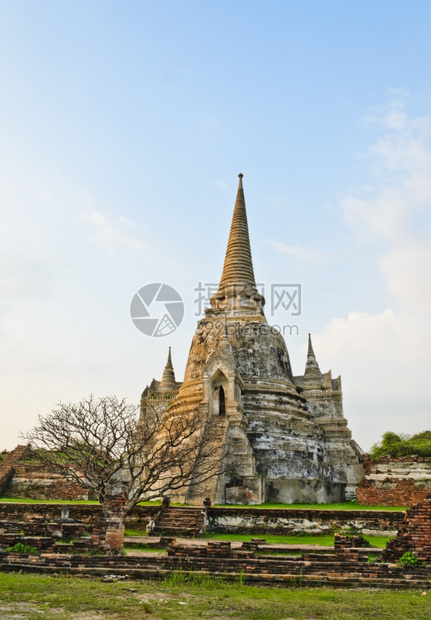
(135, 532)
(145, 549)
(322, 540)
(17, 500)
(188, 597)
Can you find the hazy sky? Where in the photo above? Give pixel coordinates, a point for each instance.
(123, 126)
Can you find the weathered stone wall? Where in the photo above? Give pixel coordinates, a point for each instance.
(274, 521)
(235, 520)
(291, 491)
(389, 481)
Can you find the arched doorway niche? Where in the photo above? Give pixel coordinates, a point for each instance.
(218, 393)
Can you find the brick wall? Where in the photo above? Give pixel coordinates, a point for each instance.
(347, 569)
(414, 535)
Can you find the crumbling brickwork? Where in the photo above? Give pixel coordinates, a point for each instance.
(414, 536)
(389, 481)
(348, 568)
(108, 531)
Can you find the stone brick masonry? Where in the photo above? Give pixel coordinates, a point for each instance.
(108, 531)
(414, 535)
(233, 520)
(388, 481)
(347, 565)
(308, 521)
(346, 568)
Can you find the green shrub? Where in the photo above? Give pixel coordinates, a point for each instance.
(409, 558)
(21, 548)
(402, 445)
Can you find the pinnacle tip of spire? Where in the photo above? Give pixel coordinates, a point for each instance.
(310, 346)
(238, 265)
(169, 361)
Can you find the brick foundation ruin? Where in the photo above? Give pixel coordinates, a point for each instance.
(390, 481)
(252, 521)
(347, 567)
(347, 564)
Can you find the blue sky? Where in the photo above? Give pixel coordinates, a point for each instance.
(123, 128)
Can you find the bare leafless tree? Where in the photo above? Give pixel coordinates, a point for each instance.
(100, 440)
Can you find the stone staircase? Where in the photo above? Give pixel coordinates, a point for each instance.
(215, 435)
(179, 521)
(7, 465)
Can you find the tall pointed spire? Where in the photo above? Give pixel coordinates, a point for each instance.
(238, 265)
(168, 384)
(312, 370)
(237, 294)
(310, 353)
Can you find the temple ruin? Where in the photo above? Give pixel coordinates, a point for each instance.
(281, 437)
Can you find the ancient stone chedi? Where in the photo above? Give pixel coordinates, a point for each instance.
(282, 438)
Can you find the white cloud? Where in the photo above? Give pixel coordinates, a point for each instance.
(111, 234)
(401, 163)
(221, 184)
(209, 122)
(407, 271)
(23, 277)
(386, 353)
(299, 252)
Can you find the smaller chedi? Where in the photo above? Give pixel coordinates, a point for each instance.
(283, 438)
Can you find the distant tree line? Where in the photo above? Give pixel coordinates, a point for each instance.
(402, 444)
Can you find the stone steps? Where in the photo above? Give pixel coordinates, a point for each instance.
(179, 522)
(215, 436)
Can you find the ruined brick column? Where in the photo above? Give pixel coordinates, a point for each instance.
(414, 534)
(108, 531)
